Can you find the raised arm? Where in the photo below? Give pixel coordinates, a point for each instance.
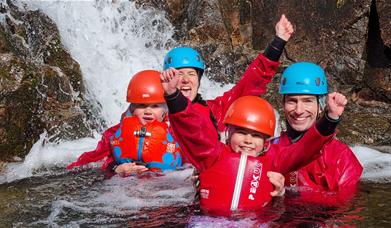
(257, 75)
(192, 129)
(102, 150)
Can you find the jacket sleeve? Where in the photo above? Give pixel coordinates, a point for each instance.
(194, 132)
(102, 150)
(292, 157)
(253, 82)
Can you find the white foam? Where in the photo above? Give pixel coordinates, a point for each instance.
(47, 155)
(377, 165)
(126, 196)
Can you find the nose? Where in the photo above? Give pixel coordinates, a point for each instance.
(299, 108)
(184, 79)
(248, 138)
(148, 110)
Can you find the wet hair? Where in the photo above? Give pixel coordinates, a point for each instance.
(322, 101)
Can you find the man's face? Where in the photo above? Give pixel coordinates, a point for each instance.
(301, 111)
(188, 82)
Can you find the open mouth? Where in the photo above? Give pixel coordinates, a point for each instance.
(148, 118)
(298, 119)
(186, 91)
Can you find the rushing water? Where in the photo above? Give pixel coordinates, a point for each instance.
(90, 198)
(112, 40)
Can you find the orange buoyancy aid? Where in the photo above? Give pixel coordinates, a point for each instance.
(151, 144)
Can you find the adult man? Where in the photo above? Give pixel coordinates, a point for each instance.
(304, 86)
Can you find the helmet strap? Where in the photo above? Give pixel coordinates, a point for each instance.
(228, 133)
(266, 146)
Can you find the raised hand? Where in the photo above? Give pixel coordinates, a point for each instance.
(169, 80)
(284, 28)
(336, 103)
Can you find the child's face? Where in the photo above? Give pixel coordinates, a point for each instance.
(188, 82)
(147, 113)
(301, 111)
(243, 140)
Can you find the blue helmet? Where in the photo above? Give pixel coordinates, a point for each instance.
(303, 78)
(181, 57)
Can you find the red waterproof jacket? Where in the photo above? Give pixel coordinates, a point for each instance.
(102, 151)
(229, 181)
(253, 82)
(336, 170)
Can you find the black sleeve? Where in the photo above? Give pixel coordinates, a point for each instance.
(326, 125)
(112, 166)
(176, 102)
(274, 50)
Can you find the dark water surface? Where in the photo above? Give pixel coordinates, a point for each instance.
(89, 199)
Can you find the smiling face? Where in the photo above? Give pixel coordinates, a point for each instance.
(301, 111)
(243, 140)
(188, 82)
(147, 113)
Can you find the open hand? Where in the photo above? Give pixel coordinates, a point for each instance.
(169, 80)
(336, 103)
(128, 169)
(284, 28)
(278, 180)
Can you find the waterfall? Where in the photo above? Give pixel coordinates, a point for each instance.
(111, 41)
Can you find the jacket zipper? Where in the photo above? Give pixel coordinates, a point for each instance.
(239, 182)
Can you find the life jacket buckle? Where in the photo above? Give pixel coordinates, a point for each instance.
(142, 133)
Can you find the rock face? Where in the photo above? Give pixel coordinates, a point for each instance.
(41, 86)
(350, 39)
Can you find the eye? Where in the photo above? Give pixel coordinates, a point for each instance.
(257, 135)
(242, 132)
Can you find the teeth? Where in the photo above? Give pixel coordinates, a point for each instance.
(185, 88)
(245, 148)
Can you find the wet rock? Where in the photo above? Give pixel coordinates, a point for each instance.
(378, 67)
(383, 8)
(41, 87)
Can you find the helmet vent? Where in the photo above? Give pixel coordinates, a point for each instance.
(317, 81)
(284, 81)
